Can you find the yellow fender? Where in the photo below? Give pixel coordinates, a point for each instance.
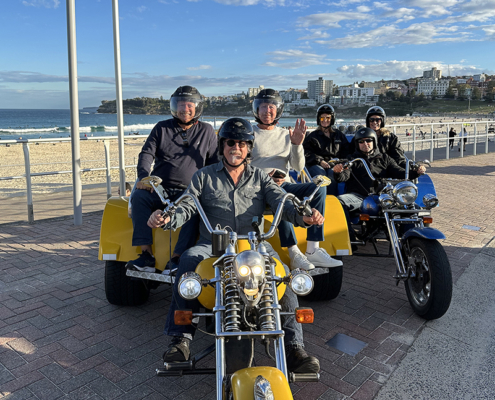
(206, 271)
(336, 243)
(116, 236)
(243, 383)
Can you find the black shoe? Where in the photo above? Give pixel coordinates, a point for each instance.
(178, 350)
(173, 263)
(144, 263)
(299, 361)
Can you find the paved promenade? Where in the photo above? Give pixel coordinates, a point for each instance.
(59, 338)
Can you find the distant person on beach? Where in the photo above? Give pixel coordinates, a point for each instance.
(276, 151)
(452, 134)
(128, 189)
(324, 144)
(464, 135)
(388, 142)
(179, 147)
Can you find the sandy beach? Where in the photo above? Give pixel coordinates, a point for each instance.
(48, 157)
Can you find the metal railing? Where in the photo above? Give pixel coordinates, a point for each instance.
(28, 174)
(479, 132)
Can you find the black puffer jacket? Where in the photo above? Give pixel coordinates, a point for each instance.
(389, 144)
(318, 147)
(381, 166)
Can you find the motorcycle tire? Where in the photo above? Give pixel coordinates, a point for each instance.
(327, 286)
(430, 291)
(120, 289)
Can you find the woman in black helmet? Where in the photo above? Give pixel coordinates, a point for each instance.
(388, 142)
(324, 144)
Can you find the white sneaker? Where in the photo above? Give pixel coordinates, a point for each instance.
(299, 260)
(321, 258)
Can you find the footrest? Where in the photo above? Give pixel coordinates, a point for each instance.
(305, 377)
(152, 276)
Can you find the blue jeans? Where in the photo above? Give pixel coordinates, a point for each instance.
(350, 202)
(317, 170)
(143, 205)
(188, 262)
(315, 232)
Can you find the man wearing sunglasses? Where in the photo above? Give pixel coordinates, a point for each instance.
(359, 184)
(388, 142)
(178, 147)
(323, 144)
(276, 151)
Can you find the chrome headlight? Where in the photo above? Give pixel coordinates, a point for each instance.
(249, 268)
(430, 201)
(301, 282)
(386, 201)
(405, 192)
(190, 285)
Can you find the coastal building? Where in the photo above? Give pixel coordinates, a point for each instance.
(380, 86)
(355, 91)
(254, 91)
(318, 86)
(291, 94)
(428, 85)
(322, 98)
(433, 73)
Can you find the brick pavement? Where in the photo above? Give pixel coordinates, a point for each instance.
(59, 338)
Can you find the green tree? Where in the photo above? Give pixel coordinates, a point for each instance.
(434, 94)
(476, 93)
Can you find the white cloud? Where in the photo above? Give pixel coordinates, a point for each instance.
(199, 67)
(294, 59)
(42, 3)
(269, 3)
(404, 69)
(315, 34)
(330, 20)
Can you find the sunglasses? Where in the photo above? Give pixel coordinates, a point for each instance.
(375, 120)
(325, 118)
(365, 141)
(232, 143)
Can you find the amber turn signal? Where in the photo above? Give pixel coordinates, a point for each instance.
(305, 315)
(183, 317)
(364, 217)
(427, 220)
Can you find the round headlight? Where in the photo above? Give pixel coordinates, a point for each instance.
(405, 192)
(301, 282)
(190, 285)
(244, 270)
(386, 201)
(430, 200)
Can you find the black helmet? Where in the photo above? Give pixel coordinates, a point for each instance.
(236, 129)
(351, 129)
(375, 110)
(188, 94)
(325, 109)
(359, 127)
(268, 96)
(365, 133)
(342, 128)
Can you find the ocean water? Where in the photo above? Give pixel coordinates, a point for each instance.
(33, 124)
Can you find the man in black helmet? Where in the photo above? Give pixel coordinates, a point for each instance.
(359, 184)
(179, 147)
(231, 193)
(276, 151)
(388, 142)
(324, 144)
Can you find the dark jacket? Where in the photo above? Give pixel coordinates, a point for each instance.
(318, 147)
(389, 144)
(381, 166)
(175, 162)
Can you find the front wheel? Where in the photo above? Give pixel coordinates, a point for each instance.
(327, 285)
(122, 290)
(430, 291)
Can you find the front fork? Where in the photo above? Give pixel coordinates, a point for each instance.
(403, 273)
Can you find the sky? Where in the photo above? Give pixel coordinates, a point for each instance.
(223, 47)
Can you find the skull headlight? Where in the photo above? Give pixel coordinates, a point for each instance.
(301, 282)
(386, 201)
(249, 268)
(430, 201)
(190, 285)
(405, 192)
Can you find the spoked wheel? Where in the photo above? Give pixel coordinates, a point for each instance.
(430, 291)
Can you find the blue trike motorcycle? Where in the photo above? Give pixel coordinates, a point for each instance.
(399, 211)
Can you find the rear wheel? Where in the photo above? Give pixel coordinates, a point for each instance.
(430, 291)
(327, 286)
(120, 289)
